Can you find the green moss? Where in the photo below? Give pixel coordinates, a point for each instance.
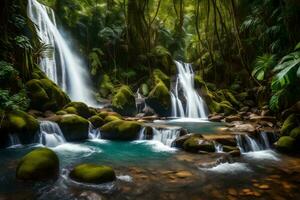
(285, 144)
(106, 87)
(78, 108)
(104, 114)
(231, 98)
(144, 89)
(46, 95)
(158, 76)
(195, 144)
(111, 118)
(120, 130)
(123, 101)
(96, 121)
(91, 173)
(159, 99)
(39, 164)
(74, 127)
(295, 133)
(199, 83)
(289, 124)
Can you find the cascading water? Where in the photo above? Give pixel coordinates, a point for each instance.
(94, 133)
(62, 66)
(166, 136)
(50, 134)
(195, 106)
(247, 143)
(14, 141)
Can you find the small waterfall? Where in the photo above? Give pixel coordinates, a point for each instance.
(142, 134)
(14, 141)
(247, 143)
(218, 147)
(165, 136)
(195, 106)
(50, 134)
(62, 66)
(94, 133)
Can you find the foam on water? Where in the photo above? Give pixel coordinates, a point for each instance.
(262, 155)
(229, 168)
(125, 178)
(75, 148)
(155, 145)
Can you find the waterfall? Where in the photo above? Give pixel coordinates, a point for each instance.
(218, 147)
(62, 66)
(247, 143)
(50, 134)
(165, 136)
(14, 141)
(94, 133)
(195, 106)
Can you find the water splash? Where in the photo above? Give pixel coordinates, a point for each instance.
(14, 141)
(166, 136)
(62, 66)
(50, 134)
(195, 106)
(94, 133)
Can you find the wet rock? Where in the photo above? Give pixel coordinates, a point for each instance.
(89, 195)
(285, 144)
(78, 108)
(224, 139)
(289, 124)
(232, 118)
(243, 128)
(230, 148)
(178, 143)
(235, 153)
(196, 144)
(39, 164)
(96, 121)
(92, 173)
(123, 101)
(262, 118)
(295, 133)
(232, 192)
(244, 109)
(184, 174)
(216, 118)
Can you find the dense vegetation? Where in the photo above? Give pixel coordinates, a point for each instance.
(232, 44)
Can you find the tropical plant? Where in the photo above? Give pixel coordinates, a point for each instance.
(263, 64)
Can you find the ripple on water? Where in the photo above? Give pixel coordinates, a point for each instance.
(229, 168)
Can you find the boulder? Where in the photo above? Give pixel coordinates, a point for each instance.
(123, 101)
(96, 121)
(285, 144)
(46, 95)
(159, 99)
(111, 118)
(104, 114)
(295, 133)
(289, 124)
(120, 130)
(39, 164)
(92, 173)
(78, 108)
(216, 118)
(74, 127)
(20, 123)
(232, 118)
(178, 143)
(196, 144)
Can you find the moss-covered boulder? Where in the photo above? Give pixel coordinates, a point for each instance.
(92, 173)
(20, 123)
(158, 76)
(159, 99)
(78, 108)
(39, 164)
(295, 133)
(96, 121)
(104, 114)
(74, 127)
(285, 144)
(123, 101)
(111, 118)
(289, 124)
(196, 144)
(46, 95)
(120, 130)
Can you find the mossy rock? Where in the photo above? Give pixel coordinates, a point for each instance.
(96, 121)
(158, 76)
(104, 114)
(20, 123)
(231, 98)
(39, 164)
(111, 118)
(74, 127)
(46, 95)
(92, 173)
(199, 82)
(159, 99)
(285, 144)
(144, 89)
(295, 133)
(106, 87)
(123, 101)
(120, 130)
(289, 124)
(78, 108)
(196, 144)
(230, 148)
